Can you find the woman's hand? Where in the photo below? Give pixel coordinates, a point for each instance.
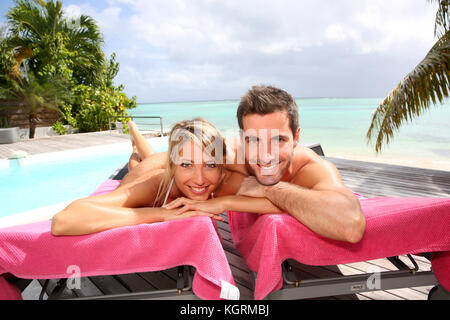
(213, 206)
(175, 214)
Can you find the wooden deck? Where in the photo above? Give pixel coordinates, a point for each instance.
(369, 179)
(62, 143)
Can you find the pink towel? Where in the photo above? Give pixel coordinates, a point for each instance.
(394, 226)
(106, 187)
(32, 252)
(8, 291)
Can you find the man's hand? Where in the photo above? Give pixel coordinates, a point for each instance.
(250, 187)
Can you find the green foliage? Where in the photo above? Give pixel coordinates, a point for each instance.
(36, 95)
(58, 47)
(93, 107)
(6, 58)
(58, 53)
(66, 115)
(110, 71)
(4, 123)
(59, 128)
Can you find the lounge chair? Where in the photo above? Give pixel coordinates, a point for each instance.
(395, 227)
(31, 252)
(273, 245)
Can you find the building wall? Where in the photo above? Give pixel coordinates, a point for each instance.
(17, 115)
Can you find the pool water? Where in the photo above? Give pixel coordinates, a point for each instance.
(32, 186)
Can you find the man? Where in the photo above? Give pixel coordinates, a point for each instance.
(292, 177)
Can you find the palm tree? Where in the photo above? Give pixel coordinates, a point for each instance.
(36, 96)
(51, 44)
(428, 83)
(7, 61)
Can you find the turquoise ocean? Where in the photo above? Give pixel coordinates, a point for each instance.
(338, 124)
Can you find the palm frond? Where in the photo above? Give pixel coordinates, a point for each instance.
(35, 95)
(442, 23)
(26, 20)
(427, 84)
(87, 41)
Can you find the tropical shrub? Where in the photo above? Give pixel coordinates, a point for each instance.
(42, 42)
(92, 108)
(59, 128)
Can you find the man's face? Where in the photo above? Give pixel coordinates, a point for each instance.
(269, 145)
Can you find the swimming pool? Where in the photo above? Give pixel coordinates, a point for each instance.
(60, 177)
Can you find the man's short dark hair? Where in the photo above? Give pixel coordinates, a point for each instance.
(265, 100)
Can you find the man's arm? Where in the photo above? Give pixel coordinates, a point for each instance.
(317, 198)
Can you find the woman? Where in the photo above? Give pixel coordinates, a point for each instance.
(195, 177)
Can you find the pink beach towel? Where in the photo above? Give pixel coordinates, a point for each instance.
(394, 226)
(32, 252)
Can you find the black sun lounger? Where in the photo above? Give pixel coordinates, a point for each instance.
(302, 281)
(174, 283)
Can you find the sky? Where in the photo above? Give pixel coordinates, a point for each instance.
(187, 50)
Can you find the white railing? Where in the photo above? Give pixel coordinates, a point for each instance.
(118, 125)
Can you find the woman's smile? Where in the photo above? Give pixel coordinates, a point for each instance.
(198, 190)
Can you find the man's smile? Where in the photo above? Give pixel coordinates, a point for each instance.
(268, 169)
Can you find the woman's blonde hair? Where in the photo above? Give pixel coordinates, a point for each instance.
(203, 134)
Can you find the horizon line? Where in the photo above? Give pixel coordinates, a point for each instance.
(237, 99)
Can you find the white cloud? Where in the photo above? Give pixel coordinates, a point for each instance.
(107, 19)
(335, 32)
(225, 46)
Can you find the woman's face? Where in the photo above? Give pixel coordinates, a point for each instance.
(196, 174)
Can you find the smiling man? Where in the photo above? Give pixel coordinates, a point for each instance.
(292, 177)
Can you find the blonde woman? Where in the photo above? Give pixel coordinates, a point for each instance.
(194, 177)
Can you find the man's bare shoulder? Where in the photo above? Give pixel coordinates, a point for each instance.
(230, 184)
(310, 169)
(302, 157)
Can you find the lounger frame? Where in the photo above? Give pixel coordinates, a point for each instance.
(183, 290)
(294, 288)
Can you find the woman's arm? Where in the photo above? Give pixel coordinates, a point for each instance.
(85, 217)
(221, 204)
(123, 206)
